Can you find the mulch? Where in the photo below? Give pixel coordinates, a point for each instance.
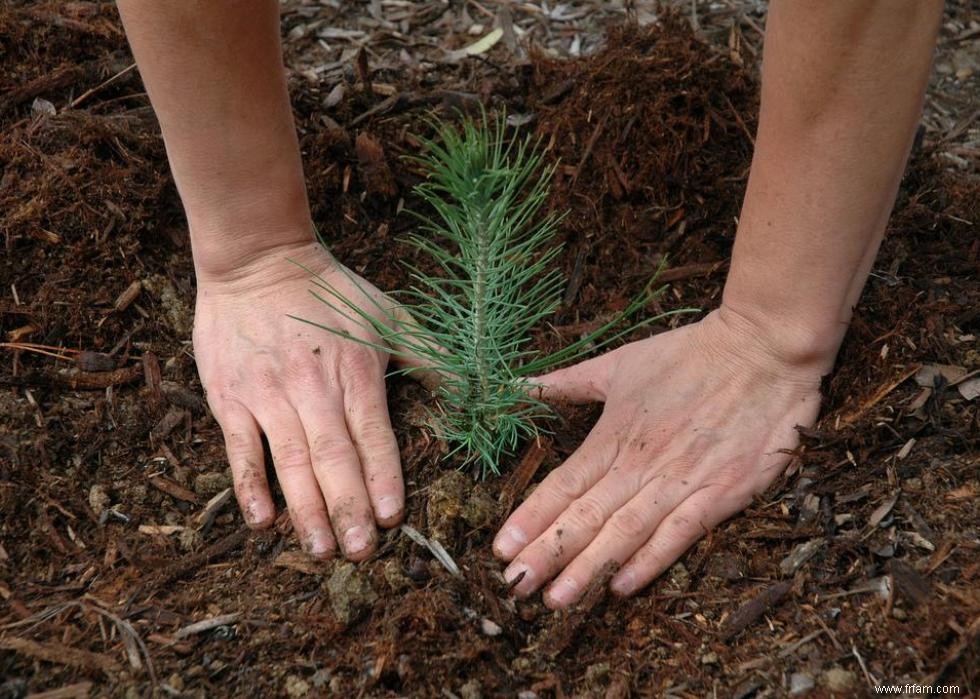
(124, 566)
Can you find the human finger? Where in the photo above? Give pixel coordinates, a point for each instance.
(291, 458)
(557, 491)
(338, 472)
(681, 529)
(366, 406)
(623, 532)
(584, 382)
(243, 445)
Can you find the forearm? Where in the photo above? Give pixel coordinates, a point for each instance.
(842, 91)
(214, 74)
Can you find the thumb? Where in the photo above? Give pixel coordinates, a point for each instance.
(585, 382)
(423, 367)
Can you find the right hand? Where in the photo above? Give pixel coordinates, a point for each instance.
(318, 398)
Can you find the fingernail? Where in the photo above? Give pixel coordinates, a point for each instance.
(563, 592)
(356, 539)
(388, 507)
(318, 542)
(624, 583)
(509, 541)
(519, 570)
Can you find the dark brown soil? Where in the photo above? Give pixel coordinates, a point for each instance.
(105, 435)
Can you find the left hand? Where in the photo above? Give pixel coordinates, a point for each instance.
(696, 423)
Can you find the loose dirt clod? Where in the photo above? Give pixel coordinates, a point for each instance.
(351, 593)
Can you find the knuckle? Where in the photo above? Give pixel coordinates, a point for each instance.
(290, 456)
(328, 449)
(239, 446)
(568, 482)
(589, 513)
(267, 378)
(358, 366)
(306, 515)
(629, 522)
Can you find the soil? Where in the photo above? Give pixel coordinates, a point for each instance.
(126, 571)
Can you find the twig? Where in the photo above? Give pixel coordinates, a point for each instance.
(88, 93)
(872, 680)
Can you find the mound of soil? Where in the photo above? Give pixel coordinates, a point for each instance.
(116, 534)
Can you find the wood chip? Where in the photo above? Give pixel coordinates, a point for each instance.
(568, 623)
(878, 516)
(158, 529)
(173, 417)
(206, 625)
(374, 171)
(129, 294)
(800, 555)
(300, 562)
(87, 360)
(79, 690)
(173, 489)
(970, 389)
(750, 611)
(908, 582)
(877, 396)
(206, 516)
(61, 654)
(522, 475)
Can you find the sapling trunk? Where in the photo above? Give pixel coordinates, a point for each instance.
(471, 325)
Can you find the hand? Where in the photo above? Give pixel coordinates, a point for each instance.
(694, 425)
(319, 399)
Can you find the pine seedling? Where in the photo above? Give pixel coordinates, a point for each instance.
(471, 325)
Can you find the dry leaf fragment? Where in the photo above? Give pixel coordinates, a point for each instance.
(165, 529)
(926, 376)
(477, 47)
(883, 509)
(800, 555)
(970, 389)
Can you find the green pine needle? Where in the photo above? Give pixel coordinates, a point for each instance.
(472, 324)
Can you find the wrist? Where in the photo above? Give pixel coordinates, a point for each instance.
(795, 342)
(239, 232)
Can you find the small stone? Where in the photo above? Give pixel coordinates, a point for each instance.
(527, 694)
(597, 675)
(296, 686)
(137, 494)
(211, 483)
(521, 664)
(899, 613)
(189, 538)
(350, 592)
(490, 628)
(321, 678)
(176, 682)
(43, 106)
(837, 679)
(98, 499)
(709, 658)
(800, 683)
(175, 309)
(471, 690)
(679, 577)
